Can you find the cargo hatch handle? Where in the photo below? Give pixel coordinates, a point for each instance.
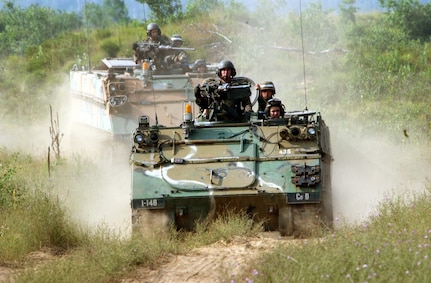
(218, 175)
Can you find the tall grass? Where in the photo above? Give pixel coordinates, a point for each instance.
(34, 218)
(393, 245)
(31, 218)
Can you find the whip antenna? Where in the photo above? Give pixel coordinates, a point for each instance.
(87, 37)
(303, 54)
(155, 106)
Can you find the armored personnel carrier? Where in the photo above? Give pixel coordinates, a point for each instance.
(112, 95)
(275, 170)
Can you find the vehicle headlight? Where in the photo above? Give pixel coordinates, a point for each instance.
(311, 131)
(139, 138)
(117, 100)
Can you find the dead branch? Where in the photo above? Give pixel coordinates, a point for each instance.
(56, 136)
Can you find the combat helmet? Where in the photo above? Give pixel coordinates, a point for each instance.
(226, 64)
(274, 102)
(268, 86)
(177, 40)
(199, 63)
(152, 26)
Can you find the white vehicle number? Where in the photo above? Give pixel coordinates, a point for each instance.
(284, 151)
(149, 202)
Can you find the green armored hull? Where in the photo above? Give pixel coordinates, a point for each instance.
(278, 171)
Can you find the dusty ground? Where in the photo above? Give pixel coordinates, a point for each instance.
(214, 263)
(34, 260)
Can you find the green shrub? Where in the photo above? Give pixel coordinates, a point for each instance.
(110, 48)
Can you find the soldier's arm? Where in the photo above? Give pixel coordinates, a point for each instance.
(247, 104)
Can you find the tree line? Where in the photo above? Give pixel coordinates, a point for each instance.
(388, 53)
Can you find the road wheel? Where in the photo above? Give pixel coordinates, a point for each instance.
(285, 221)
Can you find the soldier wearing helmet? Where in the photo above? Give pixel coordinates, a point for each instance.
(200, 66)
(274, 109)
(177, 40)
(154, 34)
(226, 71)
(178, 59)
(148, 50)
(266, 92)
(232, 104)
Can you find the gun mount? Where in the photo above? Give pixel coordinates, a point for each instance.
(211, 95)
(158, 55)
(147, 46)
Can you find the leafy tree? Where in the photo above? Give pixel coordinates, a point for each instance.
(110, 47)
(94, 16)
(198, 8)
(318, 29)
(348, 11)
(411, 16)
(20, 28)
(117, 11)
(111, 12)
(163, 10)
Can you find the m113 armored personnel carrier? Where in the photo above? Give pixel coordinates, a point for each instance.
(112, 95)
(275, 170)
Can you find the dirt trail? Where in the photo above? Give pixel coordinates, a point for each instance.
(214, 263)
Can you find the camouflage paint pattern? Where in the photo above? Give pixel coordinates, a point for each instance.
(277, 171)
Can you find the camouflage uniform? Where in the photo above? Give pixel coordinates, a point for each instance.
(144, 50)
(178, 58)
(262, 102)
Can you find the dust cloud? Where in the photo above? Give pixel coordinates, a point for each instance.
(372, 168)
(367, 168)
(96, 192)
(100, 196)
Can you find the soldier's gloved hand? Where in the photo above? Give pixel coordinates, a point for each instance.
(222, 87)
(248, 114)
(222, 90)
(142, 47)
(198, 91)
(198, 95)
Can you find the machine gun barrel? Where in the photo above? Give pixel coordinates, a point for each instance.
(146, 46)
(176, 48)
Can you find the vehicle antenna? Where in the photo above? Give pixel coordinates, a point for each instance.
(303, 55)
(86, 36)
(155, 107)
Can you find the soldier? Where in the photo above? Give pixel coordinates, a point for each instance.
(148, 49)
(234, 95)
(274, 109)
(178, 58)
(200, 66)
(154, 34)
(266, 92)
